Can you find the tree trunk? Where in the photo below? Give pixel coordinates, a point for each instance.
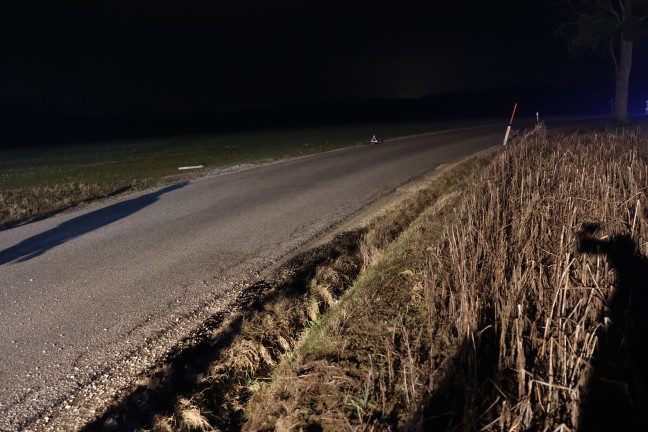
(622, 82)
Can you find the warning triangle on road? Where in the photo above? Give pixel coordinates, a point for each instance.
(374, 139)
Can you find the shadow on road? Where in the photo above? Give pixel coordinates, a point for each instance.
(41, 243)
(616, 397)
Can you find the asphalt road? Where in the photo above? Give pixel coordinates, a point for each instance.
(81, 292)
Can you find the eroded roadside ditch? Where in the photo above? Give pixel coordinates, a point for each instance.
(207, 380)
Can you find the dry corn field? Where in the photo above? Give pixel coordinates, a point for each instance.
(543, 276)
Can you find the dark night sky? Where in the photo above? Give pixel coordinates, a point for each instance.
(144, 58)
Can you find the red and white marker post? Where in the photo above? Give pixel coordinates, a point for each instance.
(508, 129)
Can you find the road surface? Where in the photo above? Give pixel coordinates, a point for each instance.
(83, 291)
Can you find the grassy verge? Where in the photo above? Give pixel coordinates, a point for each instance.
(40, 181)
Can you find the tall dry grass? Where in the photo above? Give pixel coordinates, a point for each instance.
(528, 299)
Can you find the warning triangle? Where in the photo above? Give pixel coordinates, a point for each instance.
(374, 139)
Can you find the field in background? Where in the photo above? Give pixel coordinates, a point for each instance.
(39, 181)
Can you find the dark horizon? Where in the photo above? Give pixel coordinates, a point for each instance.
(46, 129)
(74, 71)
